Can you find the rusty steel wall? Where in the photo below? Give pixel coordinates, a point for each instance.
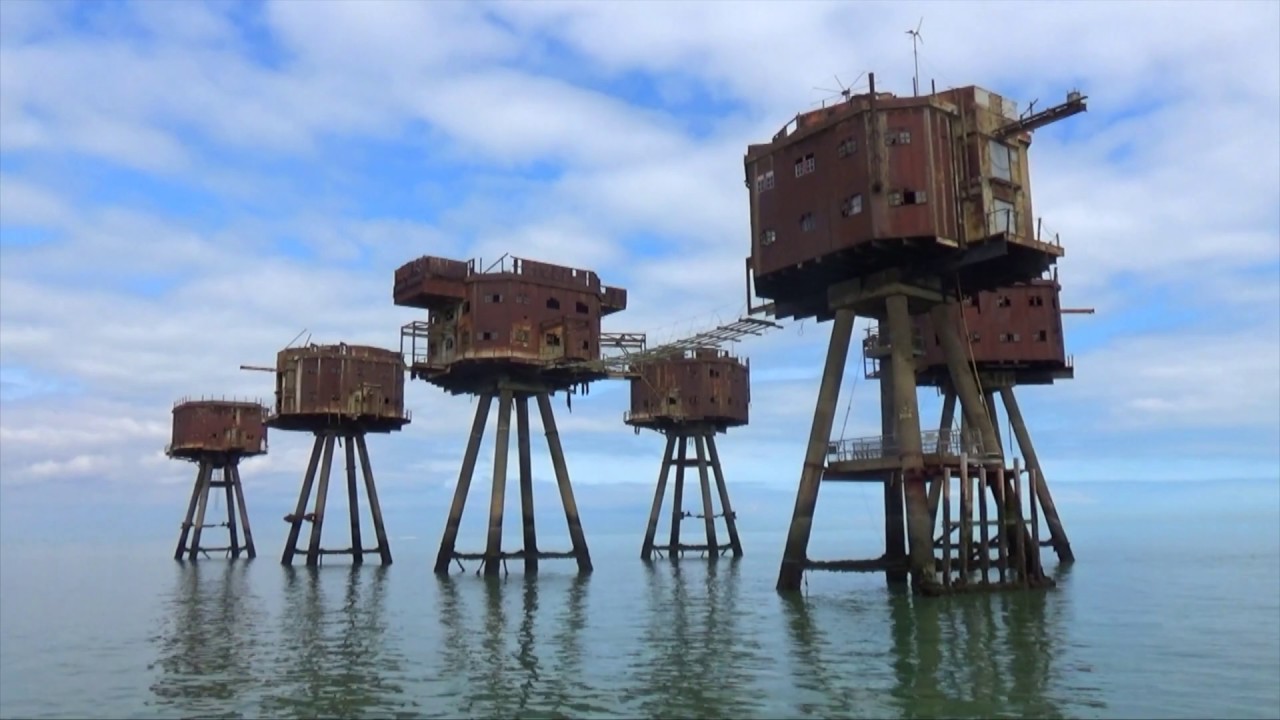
(320, 385)
(217, 426)
(705, 386)
(847, 177)
(1013, 326)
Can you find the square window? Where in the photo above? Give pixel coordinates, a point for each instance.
(1042, 336)
(807, 222)
(767, 237)
(846, 148)
(1003, 301)
(895, 198)
(1004, 159)
(1036, 301)
(851, 206)
(768, 180)
(913, 197)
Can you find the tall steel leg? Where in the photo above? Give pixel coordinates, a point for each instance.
(729, 520)
(190, 517)
(375, 509)
(526, 485)
(322, 496)
(794, 554)
(353, 500)
(250, 552)
(295, 527)
(562, 479)
(646, 550)
(493, 549)
(447, 543)
(1057, 533)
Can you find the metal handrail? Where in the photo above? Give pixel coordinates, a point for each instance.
(876, 447)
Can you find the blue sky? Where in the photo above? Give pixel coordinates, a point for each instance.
(185, 187)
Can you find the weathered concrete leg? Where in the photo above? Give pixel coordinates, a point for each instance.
(295, 525)
(562, 479)
(1057, 534)
(919, 527)
(729, 520)
(231, 510)
(526, 485)
(322, 498)
(190, 517)
(375, 509)
(944, 447)
(895, 519)
(447, 543)
(206, 480)
(708, 510)
(646, 550)
(249, 551)
(989, 401)
(677, 500)
(502, 445)
(964, 379)
(815, 459)
(353, 500)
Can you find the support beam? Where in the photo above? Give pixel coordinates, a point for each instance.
(1057, 533)
(449, 540)
(493, 548)
(708, 510)
(250, 551)
(895, 520)
(295, 520)
(562, 479)
(677, 499)
(322, 496)
(206, 479)
(231, 510)
(375, 509)
(353, 501)
(794, 554)
(526, 485)
(919, 525)
(729, 520)
(189, 519)
(646, 549)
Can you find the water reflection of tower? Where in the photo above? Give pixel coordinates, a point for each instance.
(693, 663)
(974, 657)
(336, 655)
(207, 645)
(491, 685)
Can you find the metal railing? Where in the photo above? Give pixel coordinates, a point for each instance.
(876, 447)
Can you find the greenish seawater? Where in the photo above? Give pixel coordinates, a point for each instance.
(1172, 610)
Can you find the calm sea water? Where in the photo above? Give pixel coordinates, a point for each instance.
(1172, 610)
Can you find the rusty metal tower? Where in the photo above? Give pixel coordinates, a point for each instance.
(216, 435)
(691, 397)
(894, 208)
(515, 330)
(339, 393)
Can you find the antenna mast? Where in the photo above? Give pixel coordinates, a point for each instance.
(915, 57)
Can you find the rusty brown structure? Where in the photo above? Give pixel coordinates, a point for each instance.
(691, 397)
(515, 330)
(339, 393)
(216, 435)
(887, 208)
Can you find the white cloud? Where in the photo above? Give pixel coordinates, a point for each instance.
(1168, 179)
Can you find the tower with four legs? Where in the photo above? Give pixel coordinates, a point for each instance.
(340, 394)
(216, 435)
(516, 331)
(690, 398)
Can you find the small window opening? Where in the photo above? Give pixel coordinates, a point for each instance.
(493, 298)
(974, 336)
(768, 237)
(1036, 301)
(807, 222)
(1003, 301)
(522, 299)
(847, 147)
(586, 344)
(581, 307)
(486, 336)
(851, 206)
(913, 197)
(522, 335)
(1042, 336)
(553, 304)
(900, 137)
